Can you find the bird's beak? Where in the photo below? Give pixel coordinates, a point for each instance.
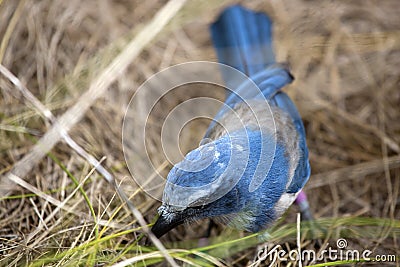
(164, 225)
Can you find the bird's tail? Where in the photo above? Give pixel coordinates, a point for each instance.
(243, 40)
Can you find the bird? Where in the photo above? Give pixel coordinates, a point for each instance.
(243, 175)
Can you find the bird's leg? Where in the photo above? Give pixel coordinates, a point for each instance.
(203, 241)
(211, 225)
(302, 202)
(306, 215)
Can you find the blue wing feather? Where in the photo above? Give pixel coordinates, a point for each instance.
(303, 170)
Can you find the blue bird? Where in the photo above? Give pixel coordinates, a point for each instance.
(243, 175)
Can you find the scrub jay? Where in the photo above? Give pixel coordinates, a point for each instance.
(244, 175)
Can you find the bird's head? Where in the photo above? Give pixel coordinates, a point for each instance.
(208, 182)
(201, 185)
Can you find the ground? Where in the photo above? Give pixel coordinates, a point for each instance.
(344, 55)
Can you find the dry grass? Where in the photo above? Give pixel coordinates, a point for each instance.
(345, 56)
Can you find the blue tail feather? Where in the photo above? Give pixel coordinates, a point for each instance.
(243, 40)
